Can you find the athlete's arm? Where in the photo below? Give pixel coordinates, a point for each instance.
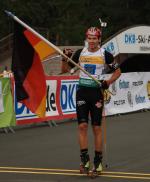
(64, 64)
(75, 58)
(113, 68)
(115, 75)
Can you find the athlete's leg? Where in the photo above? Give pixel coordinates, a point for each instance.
(83, 141)
(96, 117)
(82, 135)
(82, 116)
(97, 130)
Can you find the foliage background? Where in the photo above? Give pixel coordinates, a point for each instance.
(64, 22)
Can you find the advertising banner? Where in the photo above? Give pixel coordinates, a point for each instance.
(131, 92)
(7, 117)
(133, 40)
(1, 98)
(60, 101)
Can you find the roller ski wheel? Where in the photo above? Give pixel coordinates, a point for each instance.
(97, 169)
(93, 174)
(85, 164)
(84, 170)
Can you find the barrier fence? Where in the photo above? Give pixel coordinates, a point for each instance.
(60, 101)
(7, 114)
(131, 92)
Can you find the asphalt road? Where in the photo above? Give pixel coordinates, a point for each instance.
(44, 154)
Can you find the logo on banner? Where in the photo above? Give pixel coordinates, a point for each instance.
(22, 112)
(123, 84)
(133, 39)
(129, 38)
(119, 102)
(67, 96)
(114, 88)
(138, 83)
(50, 100)
(130, 99)
(148, 89)
(110, 48)
(140, 99)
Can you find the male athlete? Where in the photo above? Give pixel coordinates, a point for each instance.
(89, 96)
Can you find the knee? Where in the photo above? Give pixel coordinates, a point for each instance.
(97, 130)
(83, 127)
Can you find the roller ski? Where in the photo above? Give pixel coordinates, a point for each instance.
(85, 164)
(97, 168)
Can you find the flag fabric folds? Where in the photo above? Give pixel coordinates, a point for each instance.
(43, 49)
(30, 82)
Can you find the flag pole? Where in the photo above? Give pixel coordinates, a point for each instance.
(50, 44)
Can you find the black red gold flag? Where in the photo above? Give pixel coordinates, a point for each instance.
(30, 82)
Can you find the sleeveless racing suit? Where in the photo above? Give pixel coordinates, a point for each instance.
(89, 97)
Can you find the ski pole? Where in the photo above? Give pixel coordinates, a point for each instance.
(105, 139)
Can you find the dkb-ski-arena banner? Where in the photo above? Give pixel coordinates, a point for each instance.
(131, 40)
(131, 92)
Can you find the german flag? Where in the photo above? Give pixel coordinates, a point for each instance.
(30, 82)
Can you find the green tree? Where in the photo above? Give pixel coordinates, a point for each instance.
(65, 21)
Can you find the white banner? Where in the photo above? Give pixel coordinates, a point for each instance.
(131, 92)
(1, 99)
(132, 40)
(112, 46)
(51, 106)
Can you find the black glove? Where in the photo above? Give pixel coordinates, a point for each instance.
(114, 66)
(104, 85)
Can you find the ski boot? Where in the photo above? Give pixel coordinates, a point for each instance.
(97, 168)
(85, 164)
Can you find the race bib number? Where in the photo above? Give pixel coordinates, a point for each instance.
(90, 68)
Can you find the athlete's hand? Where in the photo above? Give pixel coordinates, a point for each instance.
(72, 71)
(104, 85)
(114, 66)
(68, 52)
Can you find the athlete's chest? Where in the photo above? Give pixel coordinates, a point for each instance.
(96, 58)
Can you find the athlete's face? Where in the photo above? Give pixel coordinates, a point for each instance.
(93, 42)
